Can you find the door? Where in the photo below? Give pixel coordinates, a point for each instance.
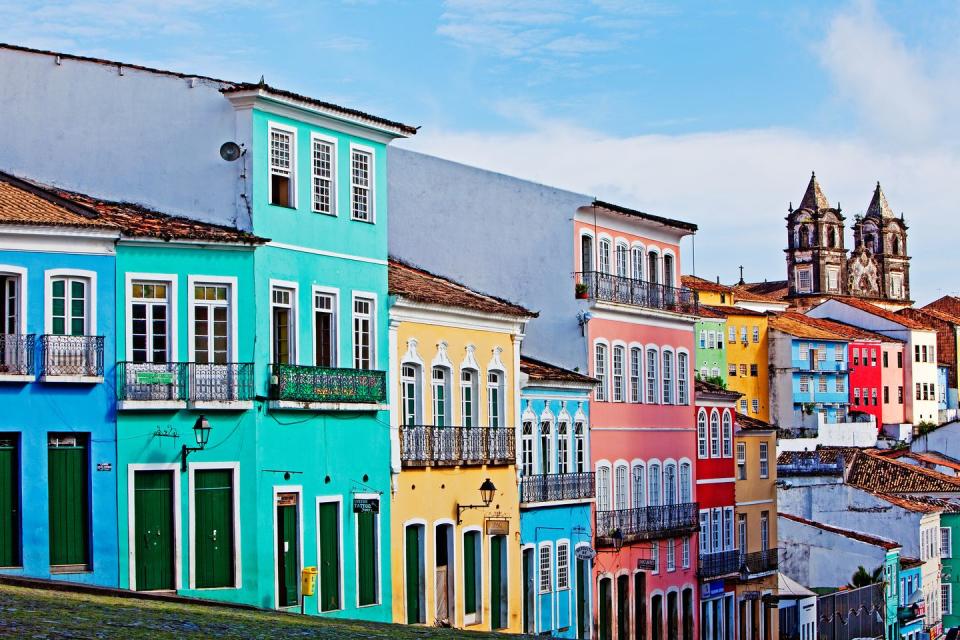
(582, 601)
(443, 582)
(498, 576)
(213, 378)
(325, 330)
(153, 530)
(367, 555)
(640, 604)
(606, 609)
(471, 577)
(414, 579)
(9, 503)
(69, 501)
(623, 607)
(214, 538)
(288, 550)
(329, 528)
(528, 592)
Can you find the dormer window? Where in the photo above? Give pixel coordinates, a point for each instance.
(282, 167)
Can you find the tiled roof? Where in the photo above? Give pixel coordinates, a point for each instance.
(702, 387)
(679, 224)
(863, 305)
(748, 295)
(910, 563)
(775, 289)
(800, 326)
(926, 314)
(826, 455)
(848, 330)
(946, 304)
(878, 474)
(726, 312)
(540, 370)
(701, 284)
(917, 504)
(929, 457)
(853, 535)
(746, 423)
(705, 312)
(422, 286)
(813, 197)
(24, 203)
(878, 207)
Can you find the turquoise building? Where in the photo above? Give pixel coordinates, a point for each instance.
(557, 489)
(950, 569)
(911, 611)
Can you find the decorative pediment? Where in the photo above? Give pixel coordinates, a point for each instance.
(469, 358)
(441, 359)
(411, 355)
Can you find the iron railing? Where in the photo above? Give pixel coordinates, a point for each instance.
(647, 523)
(71, 355)
(721, 563)
(16, 353)
(759, 562)
(229, 382)
(812, 466)
(613, 288)
(425, 445)
(151, 381)
(550, 487)
(321, 384)
(852, 613)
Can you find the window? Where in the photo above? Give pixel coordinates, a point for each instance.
(711, 340)
(670, 483)
(715, 372)
(282, 167)
(635, 375)
(651, 376)
(653, 485)
(603, 488)
(685, 553)
(526, 451)
(324, 184)
(727, 434)
(838, 354)
(671, 555)
(667, 377)
(600, 371)
(918, 391)
(900, 360)
(741, 461)
(804, 384)
(756, 334)
(704, 531)
(586, 253)
(622, 258)
(743, 370)
(69, 308)
(639, 497)
(563, 447)
(764, 530)
(856, 397)
(653, 268)
(604, 255)
(368, 561)
(715, 529)
(149, 322)
(682, 378)
(916, 353)
(732, 335)
(856, 356)
(886, 394)
(946, 598)
(620, 497)
(11, 294)
(946, 544)
(468, 397)
(732, 370)
(873, 396)
(714, 434)
(841, 383)
(440, 392)
(755, 405)
(702, 434)
(284, 326)
(618, 379)
(743, 335)
(886, 359)
(580, 447)
(742, 532)
(361, 185)
(686, 486)
(743, 405)
(822, 353)
(325, 329)
(494, 399)
(764, 462)
(410, 393)
(546, 440)
(822, 383)
(545, 582)
(563, 566)
(363, 328)
(833, 277)
(900, 395)
(728, 528)
(655, 556)
(636, 261)
(754, 370)
(703, 339)
(803, 350)
(804, 280)
(873, 357)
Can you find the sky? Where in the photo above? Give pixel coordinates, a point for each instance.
(711, 112)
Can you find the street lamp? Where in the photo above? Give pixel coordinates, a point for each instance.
(487, 492)
(201, 432)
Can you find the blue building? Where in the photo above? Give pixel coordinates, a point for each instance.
(58, 486)
(556, 491)
(911, 610)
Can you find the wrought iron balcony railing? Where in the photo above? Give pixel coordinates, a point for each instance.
(319, 384)
(759, 562)
(612, 288)
(721, 563)
(229, 382)
(550, 487)
(16, 353)
(647, 523)
(151, 381)
(72, 356)
(425, 445)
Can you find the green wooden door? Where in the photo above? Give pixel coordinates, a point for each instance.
(470, 544)
(69, 501)
(496, 581)
(213, 509)
(329, 556)
(414, 614)
(582, 608)
(367, 557)
(153, 530)
(9, 504)
(606, 609)
(288, 559)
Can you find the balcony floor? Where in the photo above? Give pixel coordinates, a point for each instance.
(303, 405)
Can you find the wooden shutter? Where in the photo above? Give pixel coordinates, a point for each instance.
(9, 503)
(329, 556)
(470, 572)
(213, 531)
(367, 557)
(68, 470)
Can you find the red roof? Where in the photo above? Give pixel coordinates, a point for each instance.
(776, 289)
(880, 312)
(700, 284)
(801, 326)
(848, 330)
(540, 370)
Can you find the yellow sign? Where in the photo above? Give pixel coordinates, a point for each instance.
(308, 580)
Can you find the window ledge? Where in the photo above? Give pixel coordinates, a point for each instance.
(297, 405)
(72, 379)
(221, 405)
(557, 503)
(17, 377)
(151, 405)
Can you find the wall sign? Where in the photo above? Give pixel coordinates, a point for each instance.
(585, 553)
(497, 526)
(153, 377)
(366, 505)
(646, 564)
(711, 589)
(104, 466)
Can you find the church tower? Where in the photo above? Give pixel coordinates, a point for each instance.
(816, 258)
(879, 266)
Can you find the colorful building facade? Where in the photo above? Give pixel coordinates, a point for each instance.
(710, 355)
(748, 363)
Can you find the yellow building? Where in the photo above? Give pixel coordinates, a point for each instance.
(454, 373)
(756, 528)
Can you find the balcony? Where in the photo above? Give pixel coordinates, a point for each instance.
(554, 487)
(177, 385)
(647, 523)
(610, 288)
(721, 563)
(758, 563)
(71, 358)
(297, 387)
(16, 357)
(428, 446)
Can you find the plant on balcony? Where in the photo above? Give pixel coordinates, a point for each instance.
(581, 291)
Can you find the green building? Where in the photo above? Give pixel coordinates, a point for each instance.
(950, 569)
(710, 360)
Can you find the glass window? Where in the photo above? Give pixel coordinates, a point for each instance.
(361, 185)
(282, 168)
(325, 328)
(526, 448)
(546, 444)
(410, 395)
(714, 435)
(686, 486)
(653, 484)
(494, 399)
(622, 259)
(440, 385)
(639, 496)
(604, 256)
(284, 329)
(618, 379)
(727, 434)
(603, 488)
(580, 447)
(468, 397)
(635, 390)
(702, 434)
(545, 581)
(363, 328)
(620, 497)
(324, 185)
(667, 373)
(586, 253)
(670, 484)
(69, 307)
(682, 378)
(600, 371)
(764, 462)
(636, 255)
(651, 376)
(563, 566)
(755, 405)
(211, 324)
(741, 461)
(563, 447)
(149, 322)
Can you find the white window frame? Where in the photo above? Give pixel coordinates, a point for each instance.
(946, 543)
(667, 368)
(683, 372)
(20, 275)
(294, 314)
(48, 276)
(741, 461)
(601, 351)
(473, 385)
(544, 571)
(315, 140)
(527, 462)
(618, 372)
(292, 132)
(800, 280)
(652, 379)
(604, 487)
(231, 283)
(169, 279)
(636, 374)
(726, 433)
(714, 434)
(764, 455)
(372, 179)
(702, 434)
(496, 400)
(563, 565)
(671, 555)
(374, 320)
(333, 293)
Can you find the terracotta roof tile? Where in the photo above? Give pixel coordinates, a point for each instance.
(422, 286)
(922, 315)
(725, 312)
(826, 455)
(800, 326)
(702, 387)
(24, 203)
(916, 503)
(848, 330)
(746, 423)
(847, 533)
(748, 295)
(880, 312)
(946, 304)
(879, 474)
(540, 370)
(775, 289)
(701, 284)
(928, 457)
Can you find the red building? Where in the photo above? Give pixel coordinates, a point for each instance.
(718, 560)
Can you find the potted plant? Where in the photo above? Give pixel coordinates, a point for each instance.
(581, 291)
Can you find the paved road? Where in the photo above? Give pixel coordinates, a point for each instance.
(34, 613)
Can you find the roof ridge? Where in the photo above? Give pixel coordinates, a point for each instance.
(867, 538)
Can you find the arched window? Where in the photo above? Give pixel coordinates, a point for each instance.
(714, 435)
(586, 253)
(682, 393)
(686, 484)
(653, 484)
(623, 260)
(653, 269)
(833, 238)
(620, 499)
(579, 447)
(603, 488)
(410, 394)
(727, 434)
(636, 261)
(618, 373)
(546, 442)
(667, 376)
(804, 235)
(637, 481)
(702, 434)
(896, 245)
(526, 448)
(651, 376)
(668, 278)
(495, 396)
(604, 255)
(670, 483)
(563, 447)
(468, 397)
(440, 384)
(600, 371)
(635, 391)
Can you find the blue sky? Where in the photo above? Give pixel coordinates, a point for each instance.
(714, 112)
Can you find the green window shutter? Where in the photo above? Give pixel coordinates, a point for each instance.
(213, 528)
(78, 307)
(329, 557)
(414, 615)
(470, 571)
(59, 306)
(68, 503)
(496, 578)
(9, 504)
(367, 557)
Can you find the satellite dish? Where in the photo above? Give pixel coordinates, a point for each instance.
(230, 151)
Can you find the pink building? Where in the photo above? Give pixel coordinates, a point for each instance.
(639, 330)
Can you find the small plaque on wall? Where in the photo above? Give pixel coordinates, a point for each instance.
(497, 526)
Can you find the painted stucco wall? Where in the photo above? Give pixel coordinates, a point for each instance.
(865, 364)
(817, 558)
(891, 378)
(750, 353)
(711, 362)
